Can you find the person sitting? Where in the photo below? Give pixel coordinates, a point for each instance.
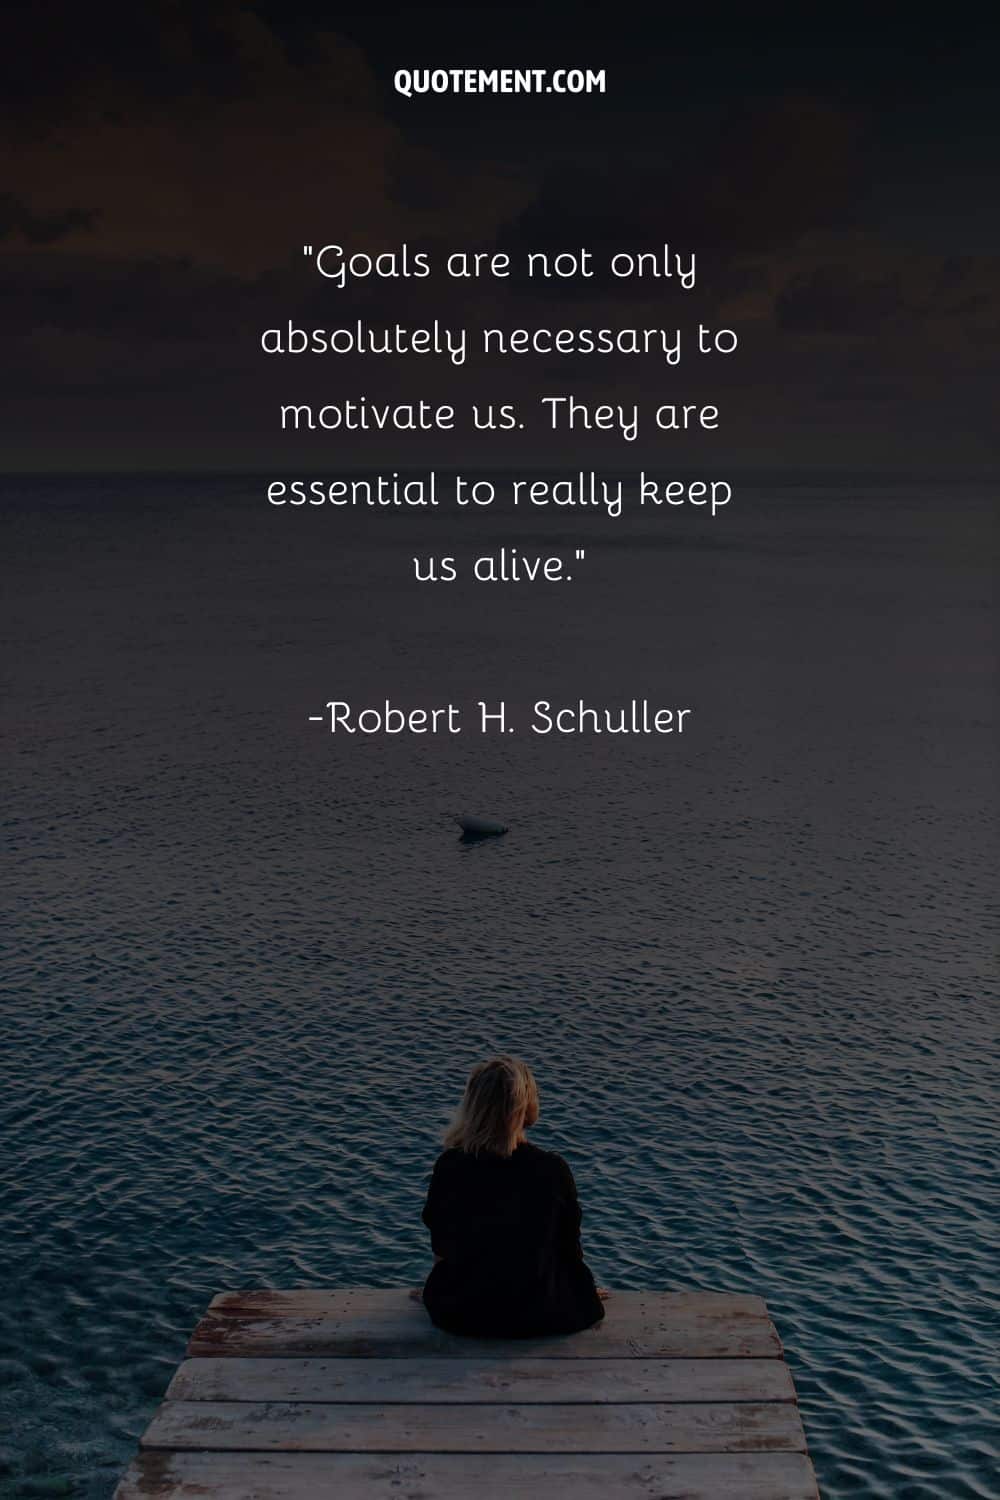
(505, 1219)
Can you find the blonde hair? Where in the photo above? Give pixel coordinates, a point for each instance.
(500, 1101)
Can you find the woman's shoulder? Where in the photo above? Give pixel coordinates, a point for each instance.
(545, 1161)
(453, 1162)
(450, 1157)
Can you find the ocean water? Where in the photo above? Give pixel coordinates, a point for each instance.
(247, 966)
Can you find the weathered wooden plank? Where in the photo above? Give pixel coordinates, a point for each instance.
(442, 1476)
(670, 1325)
(396, 1302)
(471, 1380)
(289, 1337)
(308, 1427)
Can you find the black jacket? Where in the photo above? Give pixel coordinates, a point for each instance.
(507, 1229)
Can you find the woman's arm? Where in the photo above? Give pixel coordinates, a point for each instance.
(570, 1214)
(432, 1216)
(436, 1212)
(570, 1220)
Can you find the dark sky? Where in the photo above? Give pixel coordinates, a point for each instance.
(164, 163)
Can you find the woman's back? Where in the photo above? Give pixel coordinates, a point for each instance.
(502, 1215)
(505, 1230)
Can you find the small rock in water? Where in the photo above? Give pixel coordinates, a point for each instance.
(481, 827)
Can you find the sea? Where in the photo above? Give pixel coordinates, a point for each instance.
(247, 963)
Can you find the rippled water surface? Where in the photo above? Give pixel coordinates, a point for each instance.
(247, 967)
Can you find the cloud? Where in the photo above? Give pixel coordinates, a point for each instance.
(162, 173)
(839, 300)
(860, 287)
(767, 176)
(163, 169)
(200, 137)
(17, 222)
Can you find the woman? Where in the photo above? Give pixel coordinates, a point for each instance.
(505, 1220)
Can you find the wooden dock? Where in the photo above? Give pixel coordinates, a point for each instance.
(352, 1395)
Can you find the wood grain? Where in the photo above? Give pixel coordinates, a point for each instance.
(470, 1380)
(303, 1426)
(638, 1324)
(441, 1476)
(396, 1303)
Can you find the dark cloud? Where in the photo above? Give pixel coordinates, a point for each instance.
(17, 221)
(197, 133)
(164, 162)
(163, 300)
(770, 174)
(950, 304)
(839, 300)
